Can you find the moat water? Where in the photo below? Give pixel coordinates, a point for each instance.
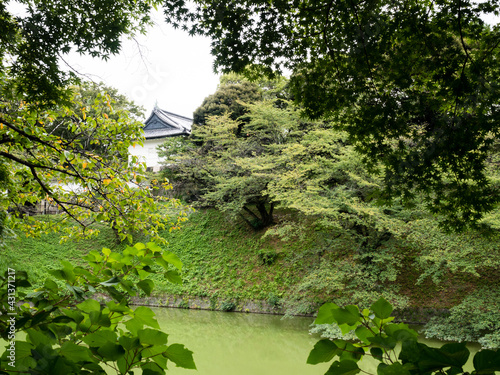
(248, 344)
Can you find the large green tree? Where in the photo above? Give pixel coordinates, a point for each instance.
(222, 126)
(414, 82)
(87, 94)
(68, 145)
(85, 172)
(215, 163)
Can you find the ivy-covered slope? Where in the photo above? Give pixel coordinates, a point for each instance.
(426, 273)
(225, 260)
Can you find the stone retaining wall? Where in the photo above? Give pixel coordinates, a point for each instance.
(408, 315)
(206, 303)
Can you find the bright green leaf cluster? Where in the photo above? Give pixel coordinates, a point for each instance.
(379, 338)
(68, 331)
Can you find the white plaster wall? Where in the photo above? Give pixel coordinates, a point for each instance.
(148, 153)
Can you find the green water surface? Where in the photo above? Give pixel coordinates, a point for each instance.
(251, 344)
(248, 344)
(241, 344)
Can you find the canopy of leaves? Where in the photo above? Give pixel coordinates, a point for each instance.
(413, 83)
(228, 98)
(34, 41)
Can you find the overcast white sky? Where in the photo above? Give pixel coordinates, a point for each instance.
(174, 70)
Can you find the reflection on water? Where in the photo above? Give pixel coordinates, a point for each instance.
(248, 344)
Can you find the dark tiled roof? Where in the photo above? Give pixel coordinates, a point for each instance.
(162, 124)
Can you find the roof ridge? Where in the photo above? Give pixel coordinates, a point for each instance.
(174, 114)
(167, 119)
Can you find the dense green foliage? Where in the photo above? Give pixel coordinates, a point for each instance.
(217, 162)
(230, 98)
(225, 261)
(312, 172)
(410, 87)
(413, 83)
(76, 158)
(214, 165)
(68, 145)
(40, 254)
(66, 331)
(377, 337)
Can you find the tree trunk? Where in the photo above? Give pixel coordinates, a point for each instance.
(264, 219)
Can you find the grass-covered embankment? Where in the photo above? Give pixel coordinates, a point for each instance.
(225, 260)
(226, 265)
